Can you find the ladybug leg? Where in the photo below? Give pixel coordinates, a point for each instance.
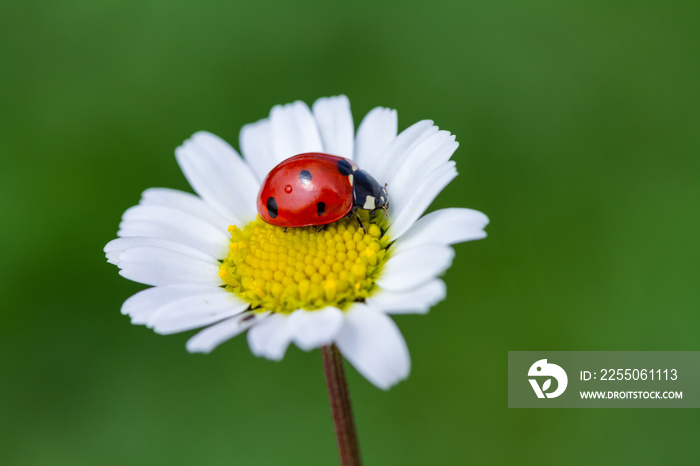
(321, 228)
(354, 211)
(361, 225)
(285, 230)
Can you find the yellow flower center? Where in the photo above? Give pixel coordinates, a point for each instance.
(304, 268)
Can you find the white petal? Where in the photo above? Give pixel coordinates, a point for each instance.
(196, 311)
(335, 124)
(158, 262)
(375, 133)
(116, 246)
(157, 221)
(294, 131)
(256, 145)
(425, 157)
(211, 337)
(141, 306)
(112, 257)
(186, 202)
(404, 216)
(413, 301)
(312, 329)
(415, 267)
(395, 154)
(219, 175)
(271, 337)
(445, 226)
(373, 344)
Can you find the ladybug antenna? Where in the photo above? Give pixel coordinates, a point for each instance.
(386, 204)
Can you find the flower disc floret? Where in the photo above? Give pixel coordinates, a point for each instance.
(304, 268)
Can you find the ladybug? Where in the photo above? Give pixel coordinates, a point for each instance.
(318, 189)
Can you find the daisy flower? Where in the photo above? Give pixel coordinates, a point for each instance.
(214, 264)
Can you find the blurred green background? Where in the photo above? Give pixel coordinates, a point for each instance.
(579, 126)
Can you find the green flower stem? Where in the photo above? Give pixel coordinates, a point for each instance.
(340, 403)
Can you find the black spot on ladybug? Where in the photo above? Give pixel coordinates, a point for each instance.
(344, 167)
(272, 207)
(321, 208)
(305, 177)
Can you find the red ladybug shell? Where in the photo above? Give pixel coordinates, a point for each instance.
(307, 189)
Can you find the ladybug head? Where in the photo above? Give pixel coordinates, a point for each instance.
(382, 201)
(368, 193)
